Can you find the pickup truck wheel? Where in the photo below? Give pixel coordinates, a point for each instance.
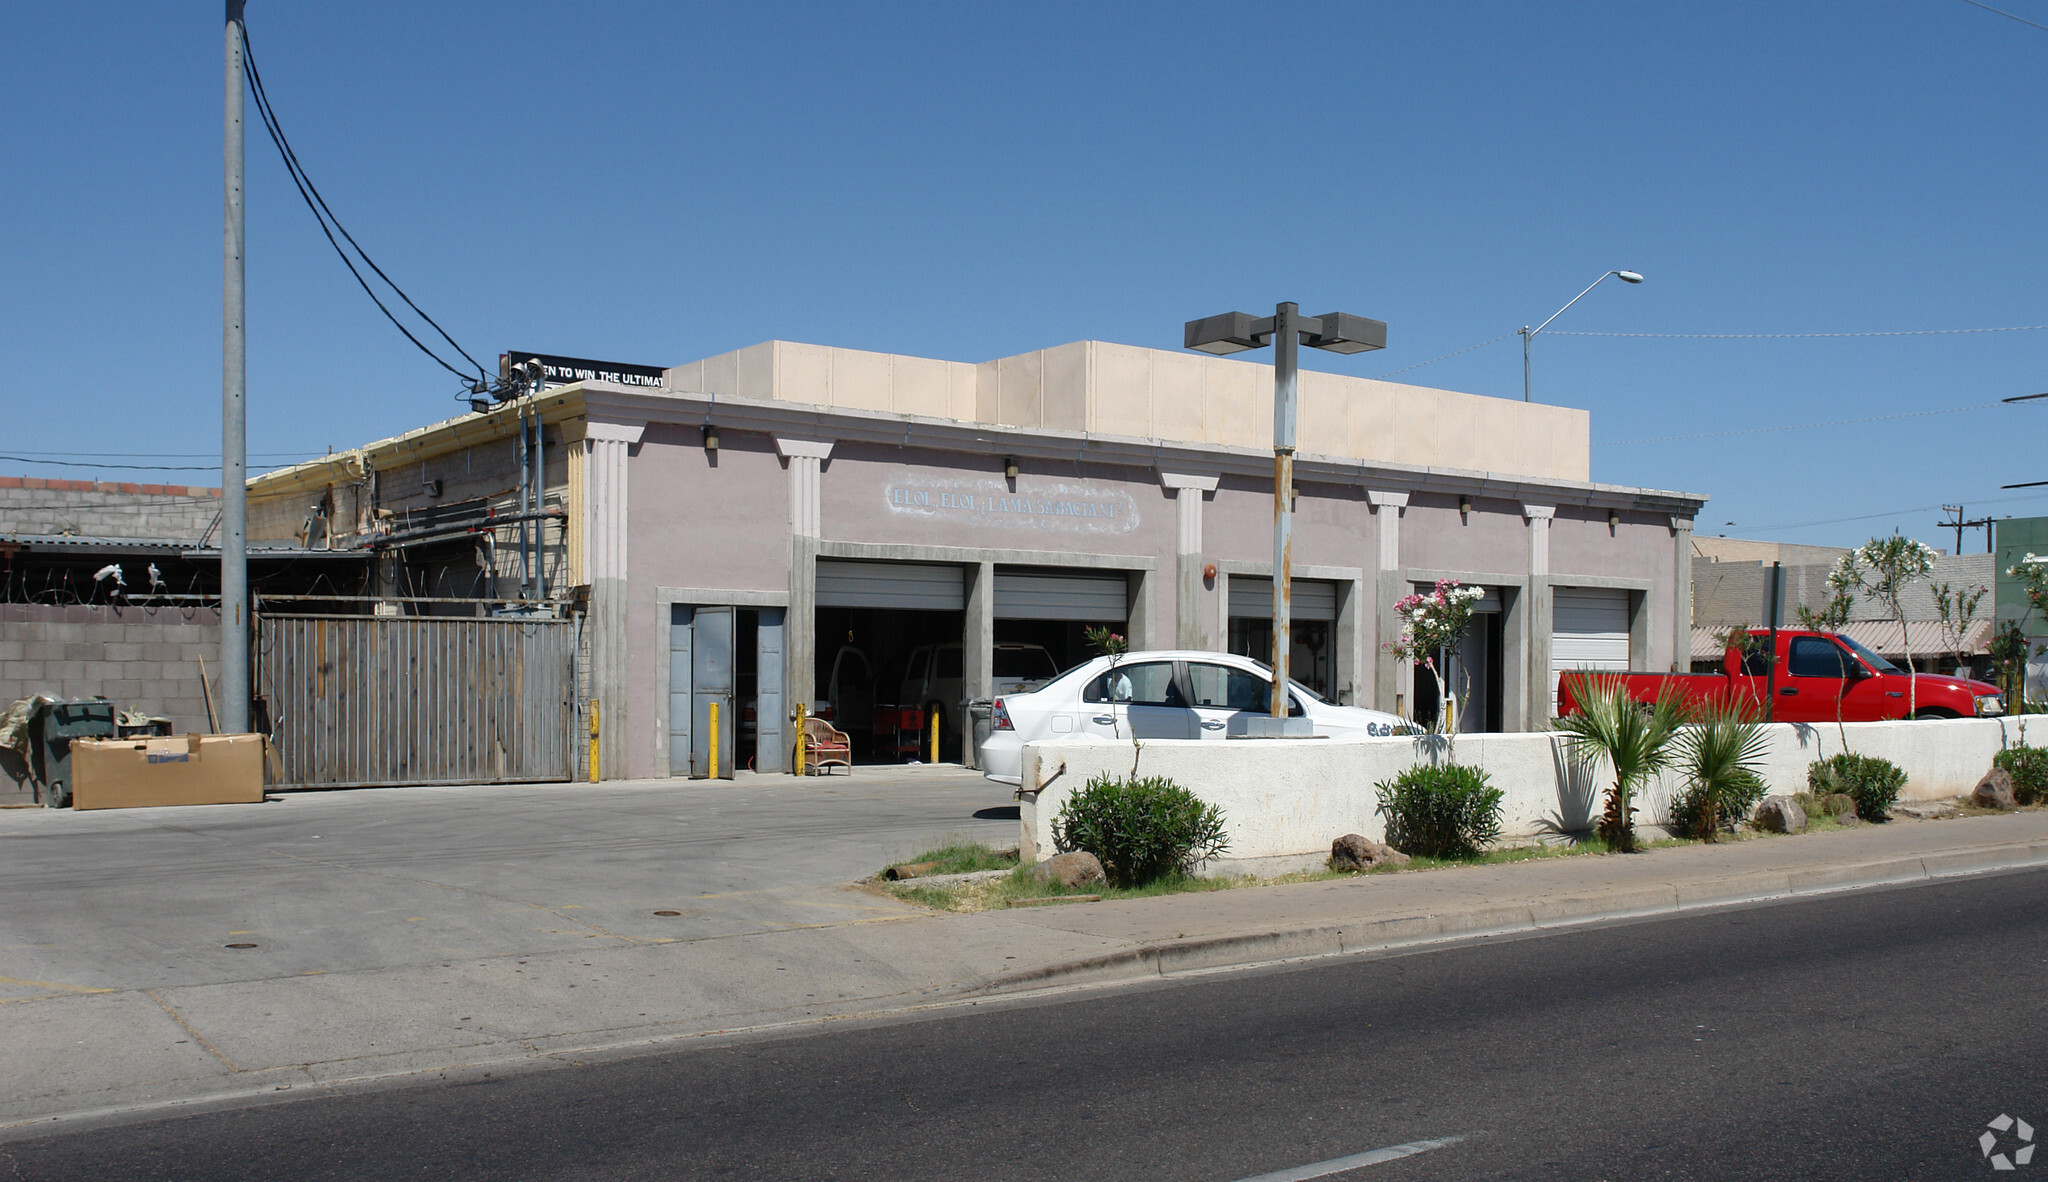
(1933, 713)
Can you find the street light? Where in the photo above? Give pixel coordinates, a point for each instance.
(1286, 330)
(1529, 334)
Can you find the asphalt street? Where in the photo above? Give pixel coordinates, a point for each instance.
(1873, 1034)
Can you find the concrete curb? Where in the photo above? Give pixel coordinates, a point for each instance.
(1246, 950)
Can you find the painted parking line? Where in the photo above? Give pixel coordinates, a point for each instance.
(1370, 1157)
(32, 984)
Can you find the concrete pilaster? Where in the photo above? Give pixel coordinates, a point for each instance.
(805, 459)
(1188, 493)
(606, 521)
(1390, 676)
(1681, 593)
(1537, 707)
(978, 638)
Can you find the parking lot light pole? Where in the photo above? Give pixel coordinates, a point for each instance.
(1529, 334)
(1286, 330)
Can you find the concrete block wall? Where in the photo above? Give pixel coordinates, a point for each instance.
(140, 658)
(1285, 800)
(31, 505)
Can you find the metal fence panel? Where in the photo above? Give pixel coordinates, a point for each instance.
(357, 701)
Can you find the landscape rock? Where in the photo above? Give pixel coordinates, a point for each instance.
(1780, 814)
(1076, 869)
(1994, 791)
(1355, 851)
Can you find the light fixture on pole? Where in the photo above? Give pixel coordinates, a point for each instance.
(1286, 330)
(1529, 334)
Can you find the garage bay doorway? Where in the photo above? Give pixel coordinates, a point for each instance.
(888, 651)
(1313, 623)
(1474, 669)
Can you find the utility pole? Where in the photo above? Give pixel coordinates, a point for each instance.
(234, 433)
(1959, 525)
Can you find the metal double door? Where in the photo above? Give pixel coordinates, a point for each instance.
(701, 677)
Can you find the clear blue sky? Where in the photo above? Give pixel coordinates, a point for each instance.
(660, 182)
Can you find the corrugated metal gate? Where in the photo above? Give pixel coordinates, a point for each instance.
(370, 700)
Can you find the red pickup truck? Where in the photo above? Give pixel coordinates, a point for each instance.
(1821, 676)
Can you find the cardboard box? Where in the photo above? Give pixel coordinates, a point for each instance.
(181, 769)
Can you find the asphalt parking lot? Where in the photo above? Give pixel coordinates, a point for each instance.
(317, 882)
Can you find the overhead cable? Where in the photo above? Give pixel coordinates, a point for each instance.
(2009, 16)
(325, 216)
(1446, 357)
(1911, 414)
(1757, 529)
(1791, 336)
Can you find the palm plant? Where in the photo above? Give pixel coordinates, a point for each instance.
(1634, 737)
(1720, 754)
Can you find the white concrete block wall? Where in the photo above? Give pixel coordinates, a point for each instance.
(1285, 800)
(84, 508)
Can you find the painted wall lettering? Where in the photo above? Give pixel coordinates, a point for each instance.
(1032, 505)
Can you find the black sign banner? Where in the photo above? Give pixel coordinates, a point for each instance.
(561, 371)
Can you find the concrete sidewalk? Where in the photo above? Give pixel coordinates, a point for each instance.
(79, 1046)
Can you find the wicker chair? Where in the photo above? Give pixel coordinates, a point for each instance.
(825, 748)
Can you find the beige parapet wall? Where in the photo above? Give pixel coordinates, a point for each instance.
(1285, 800)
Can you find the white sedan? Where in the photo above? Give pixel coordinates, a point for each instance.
(1159, 695)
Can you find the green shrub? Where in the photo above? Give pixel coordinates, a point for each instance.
(2028, 767)
(1873, 783)
(1720, 754)
(1139, 829)
(1440, 812)
(1731, 797)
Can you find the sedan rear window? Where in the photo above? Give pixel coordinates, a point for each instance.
(1029, 663)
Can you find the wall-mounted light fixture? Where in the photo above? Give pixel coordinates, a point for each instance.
(1613, 518)
(1209, 573)
(710, 439)
(1010, 468)
(1464, 506)
(433, 487)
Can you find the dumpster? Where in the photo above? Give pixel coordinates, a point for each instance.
(980, 711)
(51, 730)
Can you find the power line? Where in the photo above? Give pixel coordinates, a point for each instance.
(2009, 16)
(1792, 336)
(1758, 529)
(1446, 357)
(167, 455)
(1911, 414)
(130, 467)
(324, 215)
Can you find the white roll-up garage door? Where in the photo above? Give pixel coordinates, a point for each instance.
(1092, 596)
(1251, 597)
(918, 586)
(1588, 630)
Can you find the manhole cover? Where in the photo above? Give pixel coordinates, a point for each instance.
(239, 945)
(668, 913)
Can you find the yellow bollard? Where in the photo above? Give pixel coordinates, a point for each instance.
(935, 734)
(800, 712)
(712, 772)
(593, 740)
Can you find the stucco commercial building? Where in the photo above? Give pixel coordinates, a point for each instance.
(787, 523)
